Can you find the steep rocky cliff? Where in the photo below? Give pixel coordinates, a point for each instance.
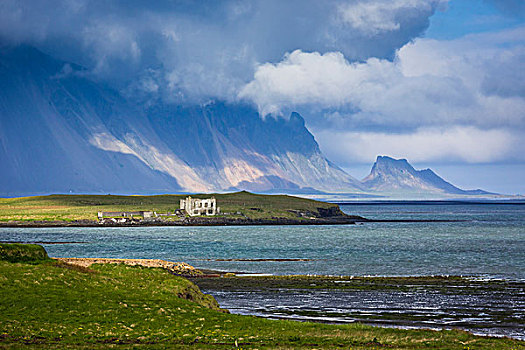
(60, 131)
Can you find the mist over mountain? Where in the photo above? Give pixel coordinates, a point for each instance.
(62, 132)
(390, 176)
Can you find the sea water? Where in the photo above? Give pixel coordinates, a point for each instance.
(488, 240)
(480, 240)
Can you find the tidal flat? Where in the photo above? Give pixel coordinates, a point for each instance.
(485, 307)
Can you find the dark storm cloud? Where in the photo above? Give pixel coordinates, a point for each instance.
(201, 49)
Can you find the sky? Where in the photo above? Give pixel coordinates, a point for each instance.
(438, 82)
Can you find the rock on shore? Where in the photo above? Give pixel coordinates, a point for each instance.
(178, 268)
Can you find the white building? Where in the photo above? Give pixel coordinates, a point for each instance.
(195, 206)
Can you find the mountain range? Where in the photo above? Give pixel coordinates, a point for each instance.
(61, 131)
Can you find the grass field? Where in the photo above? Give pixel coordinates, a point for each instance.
(47, 304)
(85, 207)
(50, 305)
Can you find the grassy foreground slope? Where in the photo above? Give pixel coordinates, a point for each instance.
(45, 304)
(85, 207)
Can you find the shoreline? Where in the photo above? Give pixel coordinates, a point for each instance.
(117, 305)
(228, 288)
(352, 220)
(177, 268)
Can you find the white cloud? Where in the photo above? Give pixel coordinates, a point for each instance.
(429, 83)
(463, 144)
(111, 41)
(326, 80)
(459, 100)
(373, 17)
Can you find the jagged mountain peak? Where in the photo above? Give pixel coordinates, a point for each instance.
(387, 159)
(386, 162)
(392, 175)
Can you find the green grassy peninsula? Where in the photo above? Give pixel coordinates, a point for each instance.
(235, 207)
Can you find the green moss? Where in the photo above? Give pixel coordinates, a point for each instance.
(27, 253)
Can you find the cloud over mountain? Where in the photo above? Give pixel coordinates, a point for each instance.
(469, 80)
(457, 144)
(466, 91)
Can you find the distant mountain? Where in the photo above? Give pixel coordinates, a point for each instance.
(60, 131)
(391, 176)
